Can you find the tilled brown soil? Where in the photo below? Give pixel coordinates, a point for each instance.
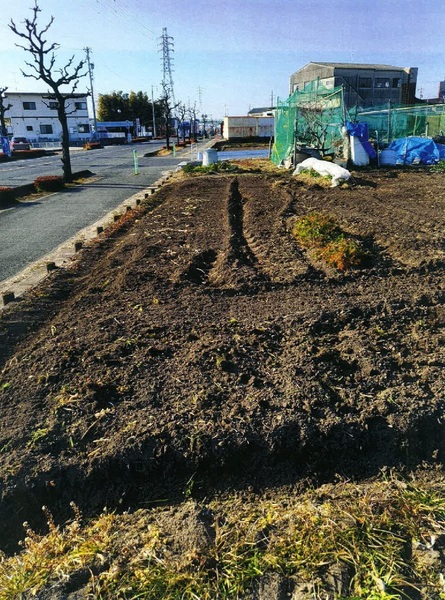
(200, 346)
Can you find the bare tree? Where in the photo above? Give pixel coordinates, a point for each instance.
(3, 108)
(314, 125)
(167, 109)
(182, 112)
(43, 68)
(192, 115)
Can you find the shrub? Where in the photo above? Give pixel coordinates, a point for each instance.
(49, 183)
(322, 234)
(6, 195)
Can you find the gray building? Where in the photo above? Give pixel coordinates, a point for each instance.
(364, 84)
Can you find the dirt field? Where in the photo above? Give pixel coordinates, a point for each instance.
(200, 346)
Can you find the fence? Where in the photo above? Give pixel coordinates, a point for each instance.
(392, 122)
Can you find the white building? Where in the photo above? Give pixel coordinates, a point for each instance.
(34, 116)
(248, 127)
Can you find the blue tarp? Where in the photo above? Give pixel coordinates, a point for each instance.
(417, 150)
(360, 130)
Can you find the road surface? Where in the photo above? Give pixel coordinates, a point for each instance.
(30, 230)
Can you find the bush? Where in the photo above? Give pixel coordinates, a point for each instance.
(49, 183)
(6, 195)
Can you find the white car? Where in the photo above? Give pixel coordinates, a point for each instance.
(19, 143)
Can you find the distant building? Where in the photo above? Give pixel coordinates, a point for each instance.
(34, 116)
(248, 127)
(261, 112)
(441, 94)
(364, 85)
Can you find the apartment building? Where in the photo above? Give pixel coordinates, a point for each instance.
(34, 116)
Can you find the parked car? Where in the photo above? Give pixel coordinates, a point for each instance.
(19, 143)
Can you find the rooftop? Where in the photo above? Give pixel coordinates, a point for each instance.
(376, 67)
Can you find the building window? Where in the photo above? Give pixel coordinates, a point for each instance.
(29, 128)
(45, 129)
(80, 105)
(53, 105)
(365, 82)
(29, 106)
(83, 128)
(396, 82)
(381, 82)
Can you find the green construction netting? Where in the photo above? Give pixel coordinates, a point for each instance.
(312, 117)
(392, 122)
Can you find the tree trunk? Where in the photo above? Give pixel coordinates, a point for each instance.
(66, 159)
(167, 129)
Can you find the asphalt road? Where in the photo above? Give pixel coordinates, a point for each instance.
(30, 230)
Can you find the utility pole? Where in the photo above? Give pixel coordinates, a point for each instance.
(167, 47)
(90, 71)
(153, 112)
(200, 99)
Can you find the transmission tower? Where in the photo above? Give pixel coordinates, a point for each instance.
(167, 48)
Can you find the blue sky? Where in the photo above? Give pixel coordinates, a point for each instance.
(230, 54)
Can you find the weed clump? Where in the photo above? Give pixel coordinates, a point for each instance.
(223, 166)
(322, 234)
(439, 167)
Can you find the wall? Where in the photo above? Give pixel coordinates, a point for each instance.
(29, 123)
(248, 127)
(362, 86)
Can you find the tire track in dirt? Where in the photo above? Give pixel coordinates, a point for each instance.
(237, 265)
(271, 239)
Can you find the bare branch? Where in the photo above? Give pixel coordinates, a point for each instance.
(43, 68)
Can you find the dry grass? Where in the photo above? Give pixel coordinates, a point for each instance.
(383, 535)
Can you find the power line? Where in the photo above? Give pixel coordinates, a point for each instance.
(115, 13)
